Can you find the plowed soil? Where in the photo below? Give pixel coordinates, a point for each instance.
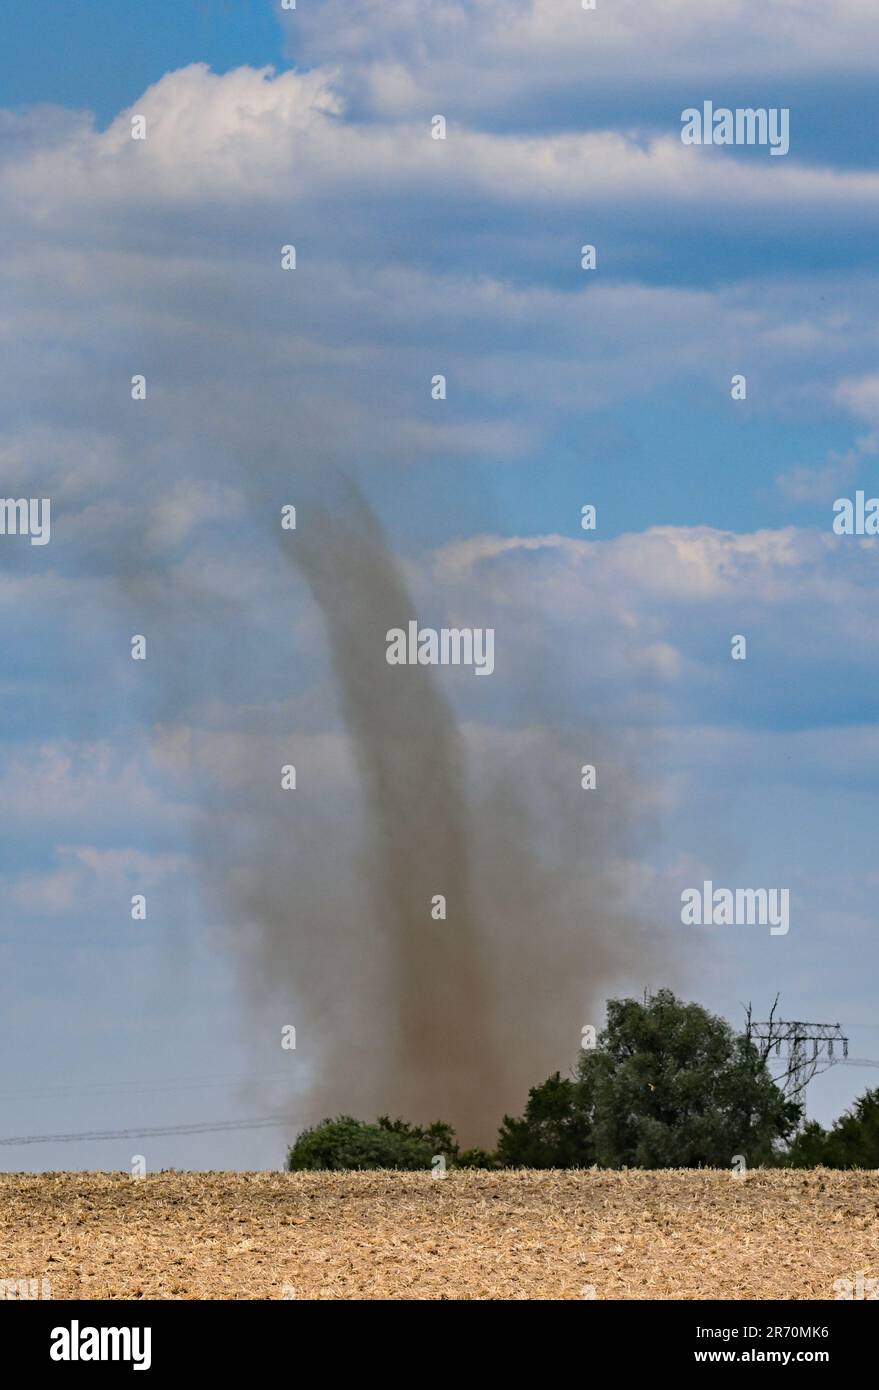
(482, 1235)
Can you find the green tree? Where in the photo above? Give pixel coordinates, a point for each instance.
(852, 1142)
(668, 1085)
(808, 1148)
(475, 1158)
(674, 1087)
(554, 1132)
(346, 1143)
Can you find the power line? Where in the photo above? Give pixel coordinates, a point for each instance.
(805, 1048)
(802, 1046)
(208, 1127)
(107, 1087)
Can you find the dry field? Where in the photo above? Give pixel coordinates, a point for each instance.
(511, 1235)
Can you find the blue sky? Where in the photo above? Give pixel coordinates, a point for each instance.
(99, 56)
(565, 387)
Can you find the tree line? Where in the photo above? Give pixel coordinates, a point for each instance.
(667, 1085)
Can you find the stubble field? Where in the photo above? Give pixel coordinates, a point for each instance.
(469, 1235)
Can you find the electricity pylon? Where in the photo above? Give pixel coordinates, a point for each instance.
(803, 1049)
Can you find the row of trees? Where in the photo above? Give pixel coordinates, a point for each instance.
(852, 1142)
(668, 1085)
